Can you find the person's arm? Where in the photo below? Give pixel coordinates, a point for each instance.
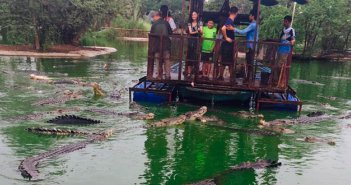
(246, 30)
(215, 36)
(172, 24)
(293, 37)
(169, 29)
(201, 27)
(224, 32)
(191, 29)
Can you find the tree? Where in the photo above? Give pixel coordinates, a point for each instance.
(52, 21)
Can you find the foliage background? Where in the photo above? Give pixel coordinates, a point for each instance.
(322, 26)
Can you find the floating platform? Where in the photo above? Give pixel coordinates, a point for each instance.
(157, 92)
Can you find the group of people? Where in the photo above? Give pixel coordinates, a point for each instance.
(164, 25)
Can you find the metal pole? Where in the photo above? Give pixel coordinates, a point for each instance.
(293, 14)
(183, 16)
(253, 75)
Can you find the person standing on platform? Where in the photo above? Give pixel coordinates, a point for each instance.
(227, 47)
(250, 32)
(161, 28)
(166, 15)
(195, 31)
(208, 44)
(287, 40)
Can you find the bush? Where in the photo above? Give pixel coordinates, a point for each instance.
(121, 22)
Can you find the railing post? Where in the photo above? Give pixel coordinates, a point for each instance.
(151, 59)
(235, 56)
(198, 55)
(181, 52)
(288, 66)
(161, 60)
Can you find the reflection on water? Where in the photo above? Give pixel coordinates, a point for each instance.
(176, 155)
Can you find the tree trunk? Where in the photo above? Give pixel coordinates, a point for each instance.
(36, 34)
(305, 41)
(136, 10)
(346, 44)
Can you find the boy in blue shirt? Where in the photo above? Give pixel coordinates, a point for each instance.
(287, 37)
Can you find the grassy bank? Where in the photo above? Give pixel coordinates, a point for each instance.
(105, 36)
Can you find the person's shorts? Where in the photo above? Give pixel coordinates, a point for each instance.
(227, 53)
(282, 59)
(207, 57)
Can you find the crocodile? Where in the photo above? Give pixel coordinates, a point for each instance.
(213, 121)
(188, 116)
(133, 115)
(49, 101)
(345, 116)
(135, 106)
(300, 120)
(193, 115)
(72, 119)
(116, 94)
(67, 96)
(55, 131)
(169, 121)
(309, 119)
(40, 115)
(315, 114)
(28, 167)
(206, 182)
(259, 164)
(307, 82)
(66, 81)
(316, 140)
(259, 132)
(97, 89)
(247, 115)
(40, 78)
(206, 119)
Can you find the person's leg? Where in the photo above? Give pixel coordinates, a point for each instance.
(282, 71)
(221, 71)
(232, 73)
(205, 69)
(249, 64)
(204, 60)
(211, 70)
(167, 64)
(201, 66)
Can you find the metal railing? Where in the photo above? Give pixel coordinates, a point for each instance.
(179, 59)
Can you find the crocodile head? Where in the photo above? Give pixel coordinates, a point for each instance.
(97, 89)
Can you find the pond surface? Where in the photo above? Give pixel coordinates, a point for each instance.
(174, 155)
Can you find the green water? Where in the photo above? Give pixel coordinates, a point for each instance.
(175, 155)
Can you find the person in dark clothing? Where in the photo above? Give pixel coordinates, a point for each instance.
(195, 31)
(160, 31)
(166, 15)
(227, 46)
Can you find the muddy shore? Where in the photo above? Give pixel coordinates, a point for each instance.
(57, 51)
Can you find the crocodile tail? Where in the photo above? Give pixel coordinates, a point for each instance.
(73, 119)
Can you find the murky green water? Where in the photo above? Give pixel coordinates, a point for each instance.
(174, 155)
